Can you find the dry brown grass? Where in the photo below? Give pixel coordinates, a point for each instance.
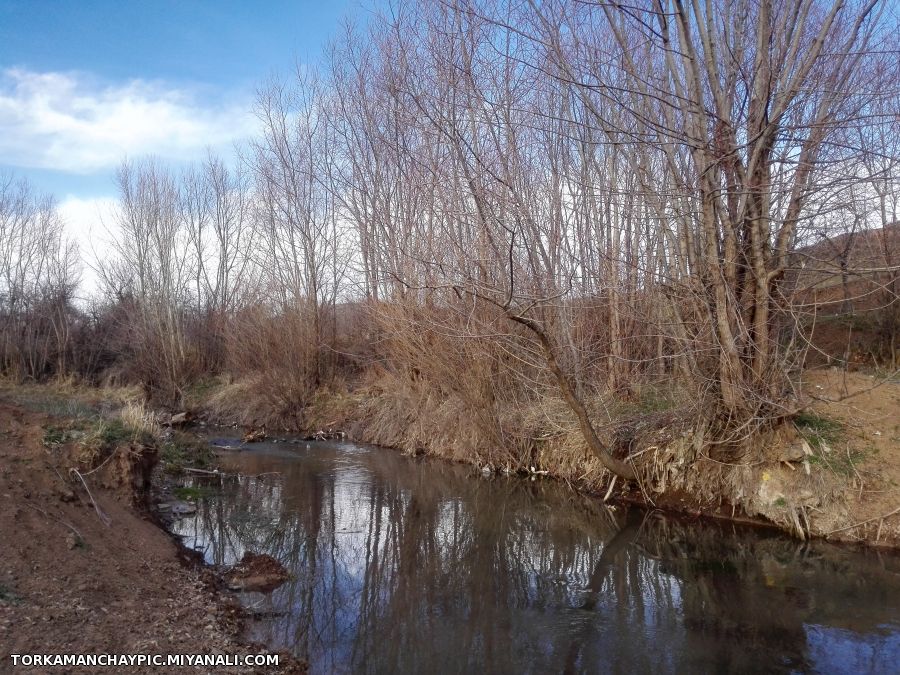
(140, 418)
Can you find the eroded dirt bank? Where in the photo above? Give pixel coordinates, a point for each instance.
(80, 578)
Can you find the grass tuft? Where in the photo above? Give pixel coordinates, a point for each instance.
(182, 450)
(135, 415)
(9, 596)
(818, 430)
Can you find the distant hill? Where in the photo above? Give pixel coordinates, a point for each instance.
(865, 264)
(846, 290)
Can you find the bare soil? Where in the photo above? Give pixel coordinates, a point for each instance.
(866, 449)
(70, 583)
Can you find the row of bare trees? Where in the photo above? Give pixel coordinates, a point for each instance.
(38, 277)
(538, 171)
(558, 199)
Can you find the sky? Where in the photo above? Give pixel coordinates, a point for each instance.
(86, 83)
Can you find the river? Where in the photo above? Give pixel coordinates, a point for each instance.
(405, 565)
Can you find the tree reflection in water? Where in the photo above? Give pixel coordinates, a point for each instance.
(405, 565)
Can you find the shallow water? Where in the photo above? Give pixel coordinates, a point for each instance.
(414, 566)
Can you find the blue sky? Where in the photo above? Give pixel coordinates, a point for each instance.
(223, 43)
(85, 83)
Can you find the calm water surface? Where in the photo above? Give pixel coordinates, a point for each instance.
(415, 566)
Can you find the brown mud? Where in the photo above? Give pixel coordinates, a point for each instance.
(85, 569)
(256, 572)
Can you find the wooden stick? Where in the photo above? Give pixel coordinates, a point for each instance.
(58, 520)
(612, 484)
(864, 522)
(105, 519)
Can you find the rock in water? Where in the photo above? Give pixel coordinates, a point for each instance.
(256, 572)
(178, 508)
(254, 436)
(178, 419)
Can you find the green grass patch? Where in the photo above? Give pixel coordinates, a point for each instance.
(102, 436)
(823, 435)
(198, 393)
(840, 463)
(182, 450)
(818, 430)
(52, 400)
(193, 492)
(115, 432)
(56, 436)
(67, 431)
(94, 438)
(9, 596)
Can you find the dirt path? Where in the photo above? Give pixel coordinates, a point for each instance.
(119, 588)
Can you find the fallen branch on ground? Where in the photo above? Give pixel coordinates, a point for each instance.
(105, 519)
(865, 522)
(57, 519)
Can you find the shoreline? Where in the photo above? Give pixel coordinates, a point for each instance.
(672, 505)
(87, 567)
(151, 592)
(837, 479)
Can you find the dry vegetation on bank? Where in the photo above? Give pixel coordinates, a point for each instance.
(833, 471)
(518, 235)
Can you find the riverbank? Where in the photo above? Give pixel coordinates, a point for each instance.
(833, 472)
(84, 569)
(419, 565)
(70, 582)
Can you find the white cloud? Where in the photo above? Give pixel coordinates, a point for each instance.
(69, 122)
(89, 222)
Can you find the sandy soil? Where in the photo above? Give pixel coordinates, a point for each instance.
(868, 409)
(118, 588)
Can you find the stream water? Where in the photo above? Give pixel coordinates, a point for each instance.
(406, 565)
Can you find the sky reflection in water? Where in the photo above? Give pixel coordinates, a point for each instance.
(416, 566)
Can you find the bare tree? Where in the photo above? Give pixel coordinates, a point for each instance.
(38, 276)
(303, 256)
(151, 274)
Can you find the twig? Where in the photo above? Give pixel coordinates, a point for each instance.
(56, 471)
(612, 484)
(100, 465)
(105, 519)
(643, 491)
(57, 519)
(864, 522)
